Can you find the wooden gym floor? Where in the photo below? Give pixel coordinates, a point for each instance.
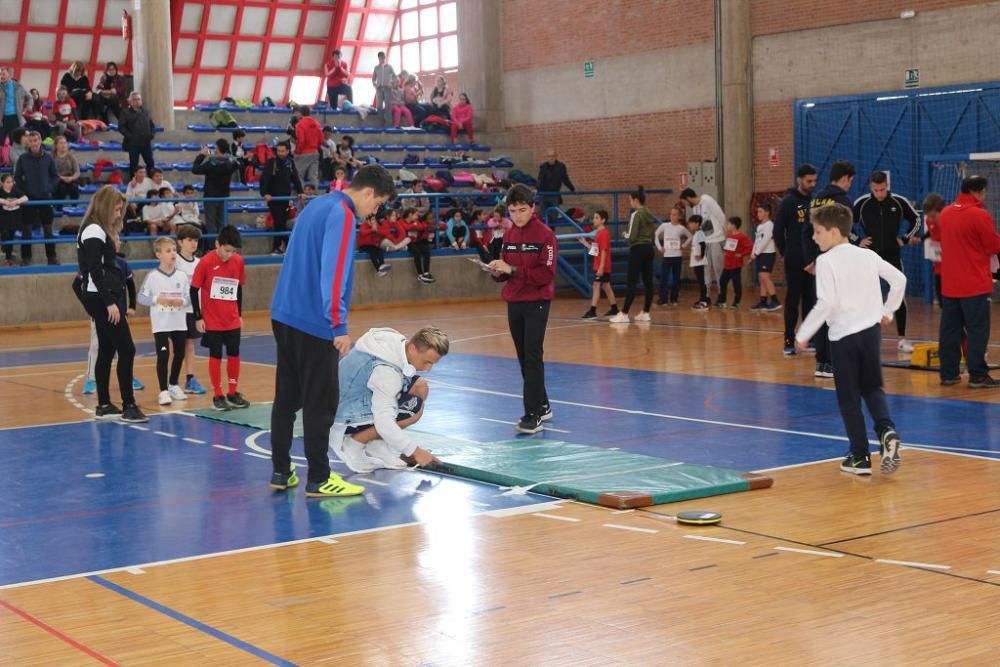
(164, 546)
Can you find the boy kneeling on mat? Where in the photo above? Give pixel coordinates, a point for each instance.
(380, 395)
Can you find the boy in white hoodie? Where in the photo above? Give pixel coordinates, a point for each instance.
(380, 395)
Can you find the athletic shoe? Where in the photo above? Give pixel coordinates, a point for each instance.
(810, 349)
(789, 350)
(237, 401)
(862, 466)
(219, 403)
(643, 317)
(824, 370)
(137, 385)
(379, 451)
(333, 487)
(757, 307)
(591, 314)
(889, 446)
(947, 382)
(700, 305)
(721, 305)
(132, 414)
(904, 345)
(177, 393)
(735, 306)
(620, 318)
(546, 413)
(107, 412)
(89, 387)
(384, 270)
(985, 382)
(165, 398)
(773, 306)
(422, 278)
(284, 480)
(611, 311)
(529, 423)
(52, 261)
(352, 453)
(194, 387)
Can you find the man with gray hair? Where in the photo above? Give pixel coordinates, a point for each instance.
(380, 395)
(137, 130)
(14, 99)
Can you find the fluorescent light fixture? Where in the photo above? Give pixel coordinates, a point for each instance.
(907, 14)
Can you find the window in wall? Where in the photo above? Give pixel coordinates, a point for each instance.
(427, 36)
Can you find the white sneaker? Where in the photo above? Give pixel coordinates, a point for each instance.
(165, 398)
(176, 393)
(643, 317)
(620, 318)
(904, 345)
(379, 451)
(352, 453)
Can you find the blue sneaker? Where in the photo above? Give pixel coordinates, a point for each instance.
(194, 387)
(137, 385)
(89, 387)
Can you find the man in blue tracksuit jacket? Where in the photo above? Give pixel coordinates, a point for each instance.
(309, 321)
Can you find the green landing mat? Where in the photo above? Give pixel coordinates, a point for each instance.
(593, 475)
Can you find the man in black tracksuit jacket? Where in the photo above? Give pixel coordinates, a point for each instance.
(218, 171)
(279, 178)
(791, 221)
(886, 222)
(841, 176)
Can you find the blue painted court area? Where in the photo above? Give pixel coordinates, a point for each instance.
(167, 490)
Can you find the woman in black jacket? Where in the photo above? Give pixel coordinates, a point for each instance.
(101, 285)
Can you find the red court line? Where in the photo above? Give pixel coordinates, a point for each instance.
(58, 635)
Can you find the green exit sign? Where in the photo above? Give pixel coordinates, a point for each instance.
(588, 69)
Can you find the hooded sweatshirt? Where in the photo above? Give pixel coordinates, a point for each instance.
(371, 377)
(791, 221)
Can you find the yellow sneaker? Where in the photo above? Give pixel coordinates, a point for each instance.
(333, 487)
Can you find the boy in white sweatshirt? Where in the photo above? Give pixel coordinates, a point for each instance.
(764, 255)
(380, 395)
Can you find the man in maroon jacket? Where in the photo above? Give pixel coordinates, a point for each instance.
(969, 241)
(527, 266)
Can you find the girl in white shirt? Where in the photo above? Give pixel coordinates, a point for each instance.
(764, 255)
(167, 291)
(669, 239)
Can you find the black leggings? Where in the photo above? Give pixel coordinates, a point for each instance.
(111, 339)
(375, 254)
(163, 340)
(640, 261)
(421, 251)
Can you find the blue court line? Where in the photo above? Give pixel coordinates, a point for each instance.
(194, 623)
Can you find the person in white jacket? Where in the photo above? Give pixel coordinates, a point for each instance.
(381, 395)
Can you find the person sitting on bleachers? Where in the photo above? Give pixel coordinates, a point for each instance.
(413, 94)
(370, 243)
(139, 185)
(339, 181)
(78, 85)
(400, 112)
(63, 116)
(461, 119)
(35, 117)
(457, 231)
(442, 98)
(481, 235)
(337, 75)
(159, 216)
(327, 153)
(68, 169)
(345, 155)
(112, 93)
(156, 175)
(187, 212)
(393, 231)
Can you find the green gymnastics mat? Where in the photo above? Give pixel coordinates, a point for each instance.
(593, 475)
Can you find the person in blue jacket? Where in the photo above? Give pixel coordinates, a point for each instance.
(309, 321)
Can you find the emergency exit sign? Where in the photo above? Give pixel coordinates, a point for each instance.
(912, 78)
(588, 69)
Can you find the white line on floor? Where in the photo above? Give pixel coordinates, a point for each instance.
(137, 427)
(799, 465)
(632, 528)
(165, 434)
(369, 480)
(623, 511)
(228, 449)
(523, 509)
(992, 571)
(259, 456)
(194, 441)
(928, 566)
(810, 552)
(327, 540)
(135, 570)
(501, 421)
(557, 518)
(507, 333)
(705, 538)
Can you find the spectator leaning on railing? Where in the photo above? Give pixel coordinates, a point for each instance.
(552, 175)
(37, 177)
(137, 130)
(14, 99)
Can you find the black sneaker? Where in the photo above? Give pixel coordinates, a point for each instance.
(889, 446)
(546, 413)
(759, 306)
(219, 403)
(612, 312)
(855, 466)
(133, 415)
(429, 277)
(236, 400)
(284, 480)
(985, 382)
(529, 424)
(947, 382)
(590, 314)
(789, 350)
(773, 306)
(107, 412)
(824, 370)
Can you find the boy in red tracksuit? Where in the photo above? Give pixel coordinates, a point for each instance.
(369, 241)
(420, 230)
(393, 232)
(527, 266)
(737, 249)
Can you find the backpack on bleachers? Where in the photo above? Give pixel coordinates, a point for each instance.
(222, 118)
(445, 176)
(518, 176)
(266, 102)
(432, 184)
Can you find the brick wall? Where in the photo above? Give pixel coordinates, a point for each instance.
(773, 128)
(769, 17)
(538, 33)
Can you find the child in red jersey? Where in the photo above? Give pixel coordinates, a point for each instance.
(217, 300)
(393, 232)
(737, 249)
(421, 230)
(600, 250)
(369, 240)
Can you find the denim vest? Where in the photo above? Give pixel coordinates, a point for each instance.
(355, 370)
